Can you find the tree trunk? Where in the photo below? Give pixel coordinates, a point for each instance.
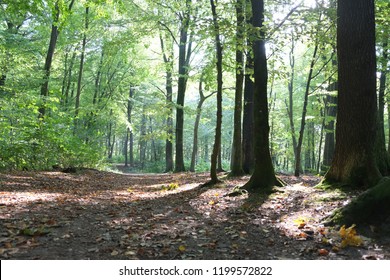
(68, 78)
(168, 60)
(82, 57)
(218, 128)
(49, 59)
(290, 105)
(129, 159)
(184, 58)
(372, 207)
(382, 157)
(330, 117)
(298, 166)
(236, 159)
(202, 99)
(354, 159)
(142, 140)
(263, 177)
(49, 56)
(247, 124)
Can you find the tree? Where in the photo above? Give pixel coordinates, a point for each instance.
(236, 161)
(354, 160)
(167, 52)
(218, 128)
(185, 50)
(50, 52)
(202, 99)
(81, 68)
(247, 122)
(263, 176)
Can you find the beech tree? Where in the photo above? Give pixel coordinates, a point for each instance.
(354, 159)
(263, 176)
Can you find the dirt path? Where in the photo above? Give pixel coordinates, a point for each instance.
(101, 215)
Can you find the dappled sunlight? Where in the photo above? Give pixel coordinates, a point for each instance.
(101, 215)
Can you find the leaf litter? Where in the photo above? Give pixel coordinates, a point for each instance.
(101, 215)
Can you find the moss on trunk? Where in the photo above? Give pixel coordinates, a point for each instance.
(371, 207)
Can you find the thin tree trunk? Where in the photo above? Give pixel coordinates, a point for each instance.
(218, 128)
(382, 157)
(202, 99)
(290, 105)
(248, 122)
(168, 60)
(298, 166)
(49, 59)
(79, 81)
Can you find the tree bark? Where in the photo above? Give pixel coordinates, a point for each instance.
(290, 104)
(263, 177)
(247, 124)
(218, 128)
(202, 99)
(49, 59)
(330, 117)
(79, 81)
(382, 157)
(168, 60)
(184, 58)
(298, 166)
(354, 159)
(129, 158)
(236, 159)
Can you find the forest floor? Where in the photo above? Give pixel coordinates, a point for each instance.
(102, 215)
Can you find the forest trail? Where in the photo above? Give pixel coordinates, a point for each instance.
(102, 215)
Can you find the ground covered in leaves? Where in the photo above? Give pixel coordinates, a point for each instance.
(101, 215)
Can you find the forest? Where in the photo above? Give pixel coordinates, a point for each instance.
(191, 129)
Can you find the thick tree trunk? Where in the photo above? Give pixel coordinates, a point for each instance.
(236, 159)
(354, 159)
(263, 176)
(218, 128)
(184, 55)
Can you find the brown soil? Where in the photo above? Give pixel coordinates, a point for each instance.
(101, 215)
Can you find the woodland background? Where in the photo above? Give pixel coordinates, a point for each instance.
(109, 76)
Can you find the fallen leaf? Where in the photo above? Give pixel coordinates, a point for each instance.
(323, 252)
(182, 248)
(114, 253)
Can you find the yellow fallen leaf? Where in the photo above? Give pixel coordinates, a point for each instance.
(182, 248)
(349, 237)
(211, 202)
